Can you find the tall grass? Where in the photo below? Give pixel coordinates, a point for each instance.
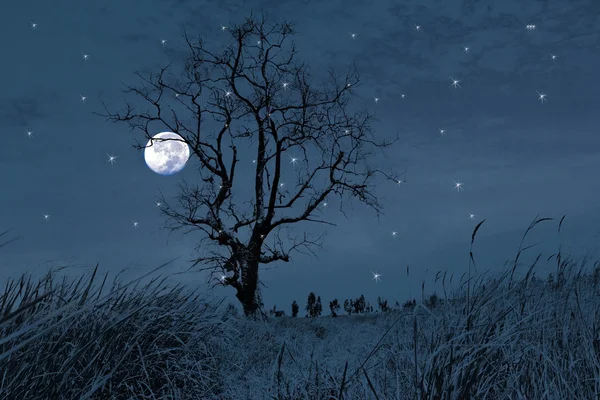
(500, 337)
(67, 340)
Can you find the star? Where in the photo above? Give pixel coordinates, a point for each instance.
(443, 132)
(394, 233)
(285, 85)
(158, 204)
(418, 28)
(112, 159)
(253, 161)
(29, 133)
(222, 278)
(376, 99)
(33, 25)
(227, 93)
(542, 97)
(136, 224)
(376, 276)
(471, 216)
(466, 49)
(530, 27)
(163, 41)
(258, 42)
(455, 83)
(46, 217)
(324, 205)
(553, 57)
(458, 186)
(403, 95)
(85, 57)
(293, 160)
(353, 35)
(400, 182)
(83, 99)
(281, 185)
(223, 28)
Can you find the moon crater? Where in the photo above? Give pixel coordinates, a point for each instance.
(166, 157)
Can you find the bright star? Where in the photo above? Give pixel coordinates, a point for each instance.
(324, 205)
(530, 27)
(553, 57)
(394, 233)
(163, 41)
(33, 25)
(158, 204)
(443, 132)
(353, 35)
(376, 276)
(136, 224)
(281, 185)
(112, 159)
(253, 161)
(466, 49)
(46, 217)
(293, 160)
(400, 182)
(227, 93)
(223, 28)
(85, 57)
(542, 97)
(29, 133)
(376, 99)
(455, 83)
(471, 216)
(403, 95)
(83, 99)
(418, 28)
(458, 186)
(285, 85)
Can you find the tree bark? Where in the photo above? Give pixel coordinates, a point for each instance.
(248, 294)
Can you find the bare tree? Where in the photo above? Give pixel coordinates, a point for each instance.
(253, 96)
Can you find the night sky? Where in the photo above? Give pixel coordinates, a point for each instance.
(517, 155)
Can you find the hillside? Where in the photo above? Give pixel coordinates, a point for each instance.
(526, 339)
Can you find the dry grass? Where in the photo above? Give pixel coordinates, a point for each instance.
(494, 338)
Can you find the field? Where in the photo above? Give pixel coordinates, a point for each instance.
(495, 338)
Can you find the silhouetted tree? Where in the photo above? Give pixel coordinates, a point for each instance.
(295, 309)
(359, 305)
(432, 301)
(334, 307)
(409, 304)
(348, 306)
(383, 305)
(310, 304)
(253, 95)
(318, 307)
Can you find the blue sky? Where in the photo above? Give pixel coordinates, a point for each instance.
(517, 156)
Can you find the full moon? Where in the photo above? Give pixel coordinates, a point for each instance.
(166, 157)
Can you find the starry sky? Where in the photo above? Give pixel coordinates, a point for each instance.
(517, 155)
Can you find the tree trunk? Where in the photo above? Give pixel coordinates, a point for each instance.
(248, 294)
